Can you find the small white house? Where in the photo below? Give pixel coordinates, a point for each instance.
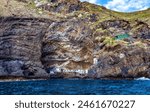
(76, 71)
(95, 61)
(53, 70)
(121, 55)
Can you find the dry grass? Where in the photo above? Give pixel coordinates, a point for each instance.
(13, 8)
(19, 9)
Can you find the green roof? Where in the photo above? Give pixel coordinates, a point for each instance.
(122, 36)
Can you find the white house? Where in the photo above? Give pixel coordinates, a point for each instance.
(76, 71)
(95, 61)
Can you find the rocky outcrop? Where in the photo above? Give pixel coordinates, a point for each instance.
(123, 63)
(141, 30)
(31, 46)
(68, 46)
(20, 47)
(61, 6)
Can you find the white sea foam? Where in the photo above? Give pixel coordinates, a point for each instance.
(142, 78)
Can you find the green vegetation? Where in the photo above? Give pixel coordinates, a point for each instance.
(140, 44)
(139, 15)
(109, 41)
(92, 8)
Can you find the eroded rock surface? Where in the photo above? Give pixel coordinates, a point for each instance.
(20, 47)
(124, 63)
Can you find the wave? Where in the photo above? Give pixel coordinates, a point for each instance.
(142, 78)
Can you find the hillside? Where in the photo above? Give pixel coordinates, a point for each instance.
(69, 38)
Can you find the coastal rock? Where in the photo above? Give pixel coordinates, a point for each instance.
(72, 39)
(67, 46)
(20, 43)
(135, 63)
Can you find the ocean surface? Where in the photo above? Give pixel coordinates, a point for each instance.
(76, 87)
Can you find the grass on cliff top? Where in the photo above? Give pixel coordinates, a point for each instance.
(107, 14)
(15, 8)
(18, 8)
(21, 9)
(139, 15)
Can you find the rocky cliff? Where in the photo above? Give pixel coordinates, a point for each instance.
(61, 38)
(20, 47)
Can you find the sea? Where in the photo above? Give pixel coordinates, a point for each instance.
(140, 86)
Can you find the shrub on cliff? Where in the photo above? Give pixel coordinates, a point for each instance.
(110, 42)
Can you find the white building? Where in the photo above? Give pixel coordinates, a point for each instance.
(76, 71)
(95, 61)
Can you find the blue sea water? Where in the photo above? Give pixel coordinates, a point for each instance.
(76, 87)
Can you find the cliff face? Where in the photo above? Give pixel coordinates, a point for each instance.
(66, 44)
(20, 47)
(73, 39)
(128, 62)
(126, 58)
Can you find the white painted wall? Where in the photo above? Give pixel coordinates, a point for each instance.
(77, 71)
(95, 61)
(58, 70)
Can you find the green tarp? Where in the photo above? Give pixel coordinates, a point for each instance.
(122, 36)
